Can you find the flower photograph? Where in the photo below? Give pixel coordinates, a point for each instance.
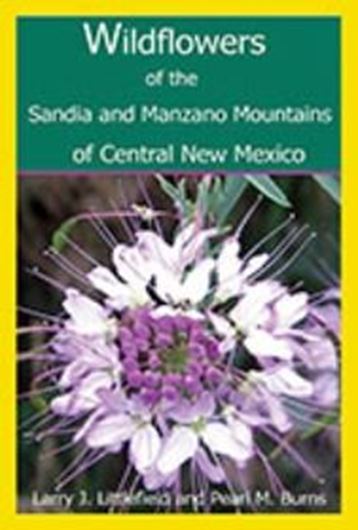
(179, 343)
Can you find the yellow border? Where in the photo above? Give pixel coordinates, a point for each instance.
(9, 10)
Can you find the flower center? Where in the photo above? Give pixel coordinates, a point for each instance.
(166, 357)
(199, 425)
(174, 358)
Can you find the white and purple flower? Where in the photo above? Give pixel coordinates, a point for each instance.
(186, 354)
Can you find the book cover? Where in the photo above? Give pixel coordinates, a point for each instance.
(173, 329)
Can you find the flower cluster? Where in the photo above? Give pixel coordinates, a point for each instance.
(187, 353)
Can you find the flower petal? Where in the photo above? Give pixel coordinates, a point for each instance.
(242, 433)
(168, 287)
(290, 309)
(197, 282)
(183, 237)
(84, 397)
(135, 270)
(111, 430)
(194, 246)
(71, 404)
(255, 264)
(94, 382)
(263, 344)
(87, 426)
(73, 373)
(228, 268)
(326, 389)
(286, 381)
(253, 309)
(204, 406)
(218, 437)
(187, 412)
(105, 281)
(181, 445)
(221, 325)
(153, 248)
(212, 471)
(153, 480)
(321, 355)
(277, 413)
(144, 447)
(87, 316)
